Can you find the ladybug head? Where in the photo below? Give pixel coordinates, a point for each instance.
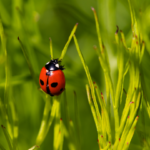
(54, 64)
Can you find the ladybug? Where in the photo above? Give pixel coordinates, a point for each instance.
(52, 79)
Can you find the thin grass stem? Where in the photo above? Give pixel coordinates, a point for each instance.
(67, 44)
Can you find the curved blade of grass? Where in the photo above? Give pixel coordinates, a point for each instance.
(89, 80)
(28, 62)
(44, 123)
(69, 39)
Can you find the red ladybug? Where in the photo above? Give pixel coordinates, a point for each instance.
(52, 79)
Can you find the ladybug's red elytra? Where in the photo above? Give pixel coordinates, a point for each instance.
(52, 79)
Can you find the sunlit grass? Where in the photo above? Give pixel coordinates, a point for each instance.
(116, 114)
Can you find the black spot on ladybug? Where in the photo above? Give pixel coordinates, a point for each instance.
(61, 89)
(42, 82)
(54, 84)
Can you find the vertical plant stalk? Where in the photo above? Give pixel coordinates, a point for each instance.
(106, 120)
(89, 80)
(77, 123)
(9, 134)
(3, 41)
(119, 87)
(44, 123)
(57, 132)
(103, 58)
(106, 82)
(15, 124)
(51, 49)
(130, 121)
(98, 127)
(130, 134)
(68, 133)
(62, 135)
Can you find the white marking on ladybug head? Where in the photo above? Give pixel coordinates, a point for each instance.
(57, 65)
(47, 63)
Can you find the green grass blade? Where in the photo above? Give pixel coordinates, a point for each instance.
(3, 42)
(133, 113)
(130, 134)
(57, 132)
(28, 62)
(142, 51)
(123, 39)
(62, 135)
(98, 30)
(77, 123)
(147, 106)
(9, 141)
(6, 89)
(89, 80)
(119, 87)
(69, 39)
(106, 120)
(133, 21)
(44, 123)
(51, 49)
(92, 108)
(17, 80)
(15, 124)
(103, 58)
(106, 79)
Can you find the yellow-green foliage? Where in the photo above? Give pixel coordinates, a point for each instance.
(107, 110)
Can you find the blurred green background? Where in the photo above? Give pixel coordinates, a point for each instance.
(34, 21)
